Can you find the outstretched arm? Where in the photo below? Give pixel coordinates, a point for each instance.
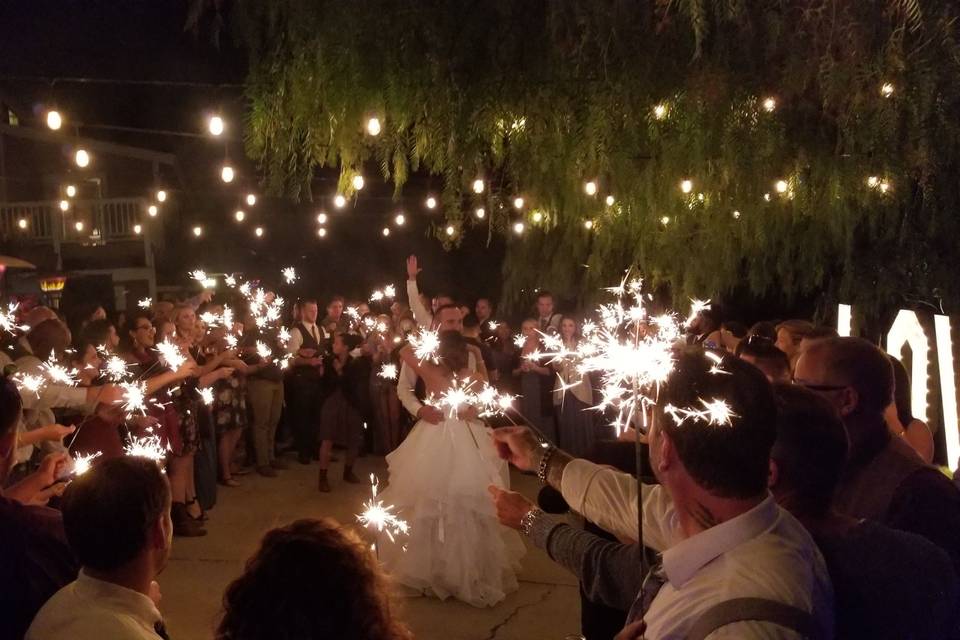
(420, 313)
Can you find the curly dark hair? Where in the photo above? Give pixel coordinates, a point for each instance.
(310, 579)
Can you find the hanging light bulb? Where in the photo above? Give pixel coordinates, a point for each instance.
(82, 158)
(686, 185)
(665, 220)
(660, 111)
(769, 104)
(64, 205)
(322, 232)
(251, 199)
(873, 181)
(373, 126)
(518, 228)
(610, 200)
(339, 201)
(480, 213)
(590, 188)
(537, 216)
(431, 202)
(386, 231)
(736, 215)
(358, 182)
(54, 120)
(227, 173)
(518, 203)
(322, 218)
(78, 225)
(258, 232)
(239, 215)
(198, 231)
(478, 186)
(161, 195)
(781, 186)
(886, 90)
(71, 191)
(22, 223)
(400, 220)
(450, 230)
(153, 210)
(588, 224)
(215, 125)
(137, 229)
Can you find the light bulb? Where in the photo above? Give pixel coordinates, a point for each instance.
(480, 213)
(450, 230)
(431, 203)
(64, 205)
(322, 232)
(660, 111)
(137, 229)
(588, 224)
(54, 120)
(686, 185)
(215, 125)
(22, 223)
(386, 232)
(198, 231)
(478, 186)
(251, 199)
(339, 201)
(152, 210)
(82, 158)
(886, 90)
(518, 203)
(518, 228)
(537, 216)
(610, 201)
(78, 226)
(769, 104)
(358, 182)
(781, 186)
(71, 191)
(884, 186)
(227, 173)
(373, 126)
(736, 215)
(322, 218)
(161, 195)
(766, 197)
(400, 219)
(873, 181)
(239, 215)
(258, 232)
(590, 188)
(665, 220)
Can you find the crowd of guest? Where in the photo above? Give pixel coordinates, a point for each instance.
(815, 513)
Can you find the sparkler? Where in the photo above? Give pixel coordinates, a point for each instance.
(199, 275)
(116, 368)
(30, 382)
(171, 354)
(714, 412)
(230, 281)
(146, 447)
(59, 374)
(696, 307)
(263, 350)
(83, 462)
(283, 336)
(519, 341)
(231, 341)
(289, 275)
(426, 345)
(388, 371)
(379, 517)
(145, 303)
(206, 395)
(134, 398)
(390, 291)
(8, 319)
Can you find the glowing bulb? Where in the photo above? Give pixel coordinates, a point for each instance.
(258, 232)
(322, 232)
(665, 220)
(373, 126)
(478, 186)
(873, 181)
(215, 125)
(64, 205)
(886, 90)
(588, 224)
(686, 186)
(22, 223)
(71, 191)
(590, 188)
(161, 195)
(82, 158)
(54, 120)
(400, 219)
(736, 215)
(137, 229)
(339, 201)
(358, 182)
(227, 173)
(198, 231)
(518, 228)
(769, 104)
(660, 111)
(251, 199)
(78, 226)
(322, 218)
(450, 230)
(431, 203)
(152, 210)
(537, 216)
(518, 203)
(239, 215)
(610, 201)
(781, 186)
(766, 197)
(386, 232)
(884, 186)
(480, 213)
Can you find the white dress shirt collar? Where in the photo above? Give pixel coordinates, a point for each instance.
(683, 560)
(133, 602)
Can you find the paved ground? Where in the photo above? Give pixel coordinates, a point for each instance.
(545, 608)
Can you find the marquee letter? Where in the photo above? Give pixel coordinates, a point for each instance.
(906, 330)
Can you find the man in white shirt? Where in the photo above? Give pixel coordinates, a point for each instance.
(117, 519)
(547, 320)
(721, 536)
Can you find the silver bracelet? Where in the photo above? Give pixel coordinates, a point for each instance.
(526, 522)
(544, 462)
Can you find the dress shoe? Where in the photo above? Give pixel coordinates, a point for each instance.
(322, 483)
(183, 525)
(267, 471)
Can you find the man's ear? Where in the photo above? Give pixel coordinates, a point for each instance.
(668, 454)
(773, 476)
(849, 401)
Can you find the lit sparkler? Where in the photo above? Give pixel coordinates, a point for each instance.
(146, 447)
(8, 320)
(83, 462)
(696, 307)
(390, 291)
(289, 275)
(519, 341)
(59, 374)
(388, 371)
(426, 345)
(116, 368)
(206, 395)
(29, 382)
(145, 303)
(263, 350)
(380, 518)
(134, 398)
(170, 354)
(199, 275)
(230, 281)
(714, 412)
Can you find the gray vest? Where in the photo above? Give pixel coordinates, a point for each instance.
(868, 491)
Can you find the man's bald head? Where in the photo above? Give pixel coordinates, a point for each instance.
(849, 362)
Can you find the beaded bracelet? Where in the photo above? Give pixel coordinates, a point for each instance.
(526, 522)
(544, 462)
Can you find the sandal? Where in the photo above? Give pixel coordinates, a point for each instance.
(228, 482)
(203, 514)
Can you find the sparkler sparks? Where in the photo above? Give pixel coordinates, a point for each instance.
(426, 345)
(696, 307)
(134, 397)
(170, 354)
(388, 371)
(199, 275)
(29, 382)
(8, 319)
(116, 368)
(146, 447)
(263, 350)
(379, 517)
(289, 275)
(714, 412)
(83, 462)
(487, 400)
(230, 281)
(145, 303)
(59, 374)
(519, 341)
(206, 395)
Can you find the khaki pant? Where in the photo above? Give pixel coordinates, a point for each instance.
(266, 402)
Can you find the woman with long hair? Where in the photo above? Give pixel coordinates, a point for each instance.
(573, 398)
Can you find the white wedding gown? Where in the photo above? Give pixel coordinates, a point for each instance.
(456, 547)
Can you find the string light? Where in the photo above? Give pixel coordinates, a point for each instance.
(373, 126)
(251, 199)
(537, 216)
(227, 173)
(215, 125)
(137, 229)
(873, 181)
(886, 90)
(258, 232)
(152, 211)
(478, 186)
(431, 202)
(450, 230)
(322, 232)
(400, 220)
(884, 186)
(198, 231)
(590, 188)
(322, 218)
(480, 213)
(64, 205)
(610, 200)
(54, 120)
(386, 231)
(736, 215)
(71, 191)
(239, 215)
(339, 201)
(22, 223)
(588, 224)
(665, 220)
(518, 228)
(781, 186)
(78, 226)
(518, 203)
(82, 158)
(766, 197)
(660, 111)
(358, 182)
(161, 195)
(769, 104)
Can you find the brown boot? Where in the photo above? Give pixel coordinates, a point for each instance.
(322, 483)
(348, 475)
(183, 525)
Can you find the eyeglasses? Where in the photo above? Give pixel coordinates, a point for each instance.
(144, 327)
(820, 387)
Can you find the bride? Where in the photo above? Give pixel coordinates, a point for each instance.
(438, 483)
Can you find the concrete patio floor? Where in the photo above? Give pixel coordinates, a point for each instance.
(545, 608)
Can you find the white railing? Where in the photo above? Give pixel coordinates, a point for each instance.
(103, 220)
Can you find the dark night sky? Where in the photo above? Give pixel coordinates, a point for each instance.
(145, 40)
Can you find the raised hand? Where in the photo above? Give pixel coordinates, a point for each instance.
(412, 268)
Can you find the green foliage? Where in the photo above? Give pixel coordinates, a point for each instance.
(539, 96)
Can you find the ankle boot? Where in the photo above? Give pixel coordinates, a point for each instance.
(322, 483)
(348, 475)
(183, 524)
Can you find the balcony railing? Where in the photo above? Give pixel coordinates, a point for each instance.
(85, 221)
